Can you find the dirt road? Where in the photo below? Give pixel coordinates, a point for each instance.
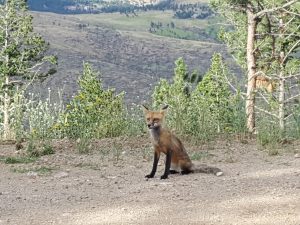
(108, 186)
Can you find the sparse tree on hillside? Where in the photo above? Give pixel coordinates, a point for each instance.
(22, 55)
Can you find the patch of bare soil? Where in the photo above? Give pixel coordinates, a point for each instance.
(107, 186)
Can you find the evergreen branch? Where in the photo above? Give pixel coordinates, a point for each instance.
(263, 97)
(288, 116)
(267, 112)
(291, 20)
(238, 8)
(292, 13)
(292, 76)
(291, 98)
(277, 34)
(293, 86)
(14, 82)
(265, 11)
(291, 50)
(231, 85)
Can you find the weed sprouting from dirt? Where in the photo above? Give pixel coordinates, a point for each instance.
(43, 170)
(47, 149)
(18, 160)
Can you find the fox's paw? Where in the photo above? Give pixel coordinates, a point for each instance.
(164, 177)
(149, 176)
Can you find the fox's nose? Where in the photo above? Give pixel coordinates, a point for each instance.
(149, 125)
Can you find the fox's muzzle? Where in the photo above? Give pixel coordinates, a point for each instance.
(152, 125)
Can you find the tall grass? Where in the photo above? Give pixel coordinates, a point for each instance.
(33, 117)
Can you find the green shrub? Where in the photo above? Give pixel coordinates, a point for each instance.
(93, 112)
(268, 133)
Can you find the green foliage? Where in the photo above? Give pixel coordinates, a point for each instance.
(204, 111)
(174, 95)
(170, 30)
(22, 54)
(21, 47)
(47, 149)
(188, 11)
(36, 148)
(208, 33)
(276, 45)
(94, 112)
(134, 120)
(35, 119)
(213, 90)
(269, 135)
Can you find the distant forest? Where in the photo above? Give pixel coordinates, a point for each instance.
(181, 11)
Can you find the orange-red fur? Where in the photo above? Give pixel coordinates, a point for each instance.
(166, 142)
(266, 83)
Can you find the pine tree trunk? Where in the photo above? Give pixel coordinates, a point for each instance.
(251, 65)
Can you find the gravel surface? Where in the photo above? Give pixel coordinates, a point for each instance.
(107, 186)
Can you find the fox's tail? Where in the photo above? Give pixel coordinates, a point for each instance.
(207, 169)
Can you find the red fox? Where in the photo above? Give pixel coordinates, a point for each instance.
(266, 83)
(166, 142)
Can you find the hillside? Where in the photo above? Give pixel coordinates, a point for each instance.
(129, 57)
(100, 6)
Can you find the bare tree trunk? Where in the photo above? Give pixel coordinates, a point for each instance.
(281, 99)
(6, 99)
(251, 65)
(6, 107)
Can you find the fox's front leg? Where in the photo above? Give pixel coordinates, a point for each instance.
(168, 165)
(154, 167)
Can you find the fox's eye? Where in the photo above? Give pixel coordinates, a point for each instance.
(156, 120)
(148, 119)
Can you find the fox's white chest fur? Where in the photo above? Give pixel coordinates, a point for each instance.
(154, 133)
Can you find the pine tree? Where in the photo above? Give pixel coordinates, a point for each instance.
(213, 92)
(22, 53)
(93, 112)
(174, 95)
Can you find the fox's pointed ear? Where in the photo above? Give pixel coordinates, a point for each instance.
(145, 108)
(165, 107)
